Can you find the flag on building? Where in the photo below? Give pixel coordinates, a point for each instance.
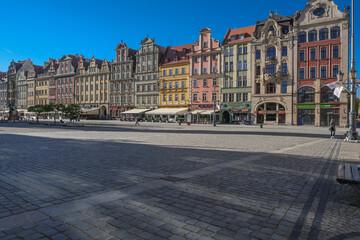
(338, 91)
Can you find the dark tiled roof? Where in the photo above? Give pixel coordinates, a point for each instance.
(177, 54)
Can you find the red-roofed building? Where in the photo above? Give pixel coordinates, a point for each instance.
(236, 85)
(174, 79)
(205, 75)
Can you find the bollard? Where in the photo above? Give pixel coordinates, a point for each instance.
(261, 126)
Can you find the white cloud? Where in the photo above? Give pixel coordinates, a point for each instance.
(7, 50)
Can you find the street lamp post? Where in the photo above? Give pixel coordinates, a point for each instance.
(352, 134)
(214, 118)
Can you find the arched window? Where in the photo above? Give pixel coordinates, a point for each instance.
(327, 95)
(306, 95)
(335, 32)
(271, 52)
(324, 34)
(302, 37)
(313, 36)
(271, 87)
(271, 29)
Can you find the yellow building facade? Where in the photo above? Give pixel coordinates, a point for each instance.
(174, 78)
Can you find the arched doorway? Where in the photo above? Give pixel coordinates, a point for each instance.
(103, 112)
(226, 117)
(271, 112)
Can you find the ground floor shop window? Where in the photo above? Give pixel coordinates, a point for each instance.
(328, 114)
(306, 116)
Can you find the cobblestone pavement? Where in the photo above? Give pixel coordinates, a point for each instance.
(112, 180)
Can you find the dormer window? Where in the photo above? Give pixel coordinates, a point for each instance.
(241, 36)
(232, 38)
(175, 58)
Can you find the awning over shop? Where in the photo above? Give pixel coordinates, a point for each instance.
(209, 112)
(168, 111)
(92, 111)
(197, 111)
(135, 111)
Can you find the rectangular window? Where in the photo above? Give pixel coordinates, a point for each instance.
(245, 97)
(195, 71)
(258, 70)
(196, 59)
(213, 96)
(225, 97)
(239, 83)
(195, 83)
(302, 55)
(164, 85)
(231, 66)
(183, 97)
(323, 52)
(240, 50)
(170, 85)
(231, 82)
(284, 87)
(170, 97)
(183, 84)
(245, 81)
(271, 68)
(204, 96)
(302, 73)
(335, 70)
(245, 50)
(231, 97)
(226, 83)
(323, 72)
(195, 97)
(176, 71)
(176, 84)
(164, 98)
(313, 54)
(214, 56)
(204, 82)
(182, 70)
(226, 67)
(205, 70)
(313, 72)
(335, 51)
(214, 82)
(164, 72)
(226, 52)
(176, 97)
(257, 90)
(170, 72)
(214, 70)
(284, 51)
(258, 54)
(240, 65)
(245, 64)
(205, 58)
(238, 97)
(284, 68)
(231, 51)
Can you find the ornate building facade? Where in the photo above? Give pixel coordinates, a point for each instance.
(235, 67)
(91, 86)
(65, 77)
(174, 78)
(4, 103)
(122, 80)
(148, 58)
(32, 74)
(273, 70)
(205, 74)
(45, 83)
(22, 79)
(12, 80)
(323, 51)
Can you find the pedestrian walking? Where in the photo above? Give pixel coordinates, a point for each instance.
(332, 129)
(137, 122)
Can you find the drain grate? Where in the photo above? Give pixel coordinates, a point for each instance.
(172, 179)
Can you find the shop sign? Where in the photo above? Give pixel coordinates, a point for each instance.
(328, 106)
(306, 106)
(270, 112)
(235, 110)
(245, 110)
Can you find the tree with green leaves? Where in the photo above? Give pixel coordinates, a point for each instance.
(38, 109)
(72, 111)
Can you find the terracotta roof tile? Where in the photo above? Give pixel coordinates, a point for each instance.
(248, 31)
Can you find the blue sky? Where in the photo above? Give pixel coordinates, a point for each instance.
(48, 29)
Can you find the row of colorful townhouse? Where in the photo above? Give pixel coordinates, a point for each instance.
(275, 72)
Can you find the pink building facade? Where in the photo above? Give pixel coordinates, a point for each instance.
(205, 74)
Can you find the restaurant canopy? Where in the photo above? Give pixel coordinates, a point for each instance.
(168, 111)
